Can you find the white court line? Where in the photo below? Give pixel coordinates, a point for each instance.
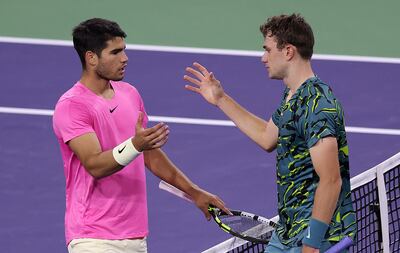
(209, 122)
(326, 57)
(195, 121)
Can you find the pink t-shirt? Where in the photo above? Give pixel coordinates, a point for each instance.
(114, 207)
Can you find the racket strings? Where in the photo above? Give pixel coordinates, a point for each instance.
(245, 225)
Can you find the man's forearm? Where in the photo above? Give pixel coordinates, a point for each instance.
(160, 165)
(325, 200)
(251, 125)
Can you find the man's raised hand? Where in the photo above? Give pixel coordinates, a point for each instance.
(149, 138)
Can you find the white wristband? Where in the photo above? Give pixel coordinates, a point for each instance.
(125, 152)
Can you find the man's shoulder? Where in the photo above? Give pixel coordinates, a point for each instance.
(76, 94)
(316, 85)
(317, 89)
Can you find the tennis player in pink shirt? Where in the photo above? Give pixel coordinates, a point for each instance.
(100, 124)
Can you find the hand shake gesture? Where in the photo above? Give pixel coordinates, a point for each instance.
(205, 84)
(149, 138)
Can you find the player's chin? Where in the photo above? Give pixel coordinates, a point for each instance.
(118, 78)
(271, 74)
(274, 76)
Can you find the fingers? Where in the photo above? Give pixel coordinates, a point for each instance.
(195, 73)
(212, 77)
(191, 88)
(221, 205)
(151, 138)
(139, 122)
(160, 143)
(153, 129)
(203, 74)
(202, 69)
(218, 204)
(212, 200)
(158, 136)
(192, 80)
(207, 214)
(156, 133)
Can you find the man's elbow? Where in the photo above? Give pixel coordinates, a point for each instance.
(94, 172)
(334, 183)
(268, 147)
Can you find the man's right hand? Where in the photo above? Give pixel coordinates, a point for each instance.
(149, 138)
(204, 199)
(206, 84)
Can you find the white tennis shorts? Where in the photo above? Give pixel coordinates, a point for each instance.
(88, 245)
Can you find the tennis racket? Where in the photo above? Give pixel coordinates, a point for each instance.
(244, 225)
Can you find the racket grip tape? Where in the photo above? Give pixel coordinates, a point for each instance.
(342, 245)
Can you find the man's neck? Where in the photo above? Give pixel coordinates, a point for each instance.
(97, 85)
(297, 75)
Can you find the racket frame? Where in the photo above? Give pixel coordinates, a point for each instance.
(216, 212)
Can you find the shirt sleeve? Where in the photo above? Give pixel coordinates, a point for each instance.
(138, 102)
(319, 120)
(71, 120)
(143, 110)
(275, 116)
(278, 112)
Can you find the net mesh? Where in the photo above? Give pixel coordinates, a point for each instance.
(367, 206)
(392, 181)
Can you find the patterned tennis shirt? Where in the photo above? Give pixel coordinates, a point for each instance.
(311, 114)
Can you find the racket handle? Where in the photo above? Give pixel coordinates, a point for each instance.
(342, 245)
(173, 190)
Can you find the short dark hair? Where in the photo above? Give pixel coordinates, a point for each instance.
(292, 29)
(93, 34)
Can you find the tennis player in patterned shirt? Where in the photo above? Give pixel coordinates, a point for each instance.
(308, 132)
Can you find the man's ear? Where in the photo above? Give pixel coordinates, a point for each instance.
(290, 51)
(91, 58)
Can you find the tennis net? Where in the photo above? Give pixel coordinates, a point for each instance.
(376, 200)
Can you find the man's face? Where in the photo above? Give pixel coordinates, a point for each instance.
(274, 59)
(113, 60)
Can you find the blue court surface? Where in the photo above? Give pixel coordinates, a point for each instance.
(218, 158)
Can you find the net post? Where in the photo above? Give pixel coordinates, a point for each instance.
(383, 209)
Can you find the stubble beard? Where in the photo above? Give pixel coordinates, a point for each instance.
(108, 76)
